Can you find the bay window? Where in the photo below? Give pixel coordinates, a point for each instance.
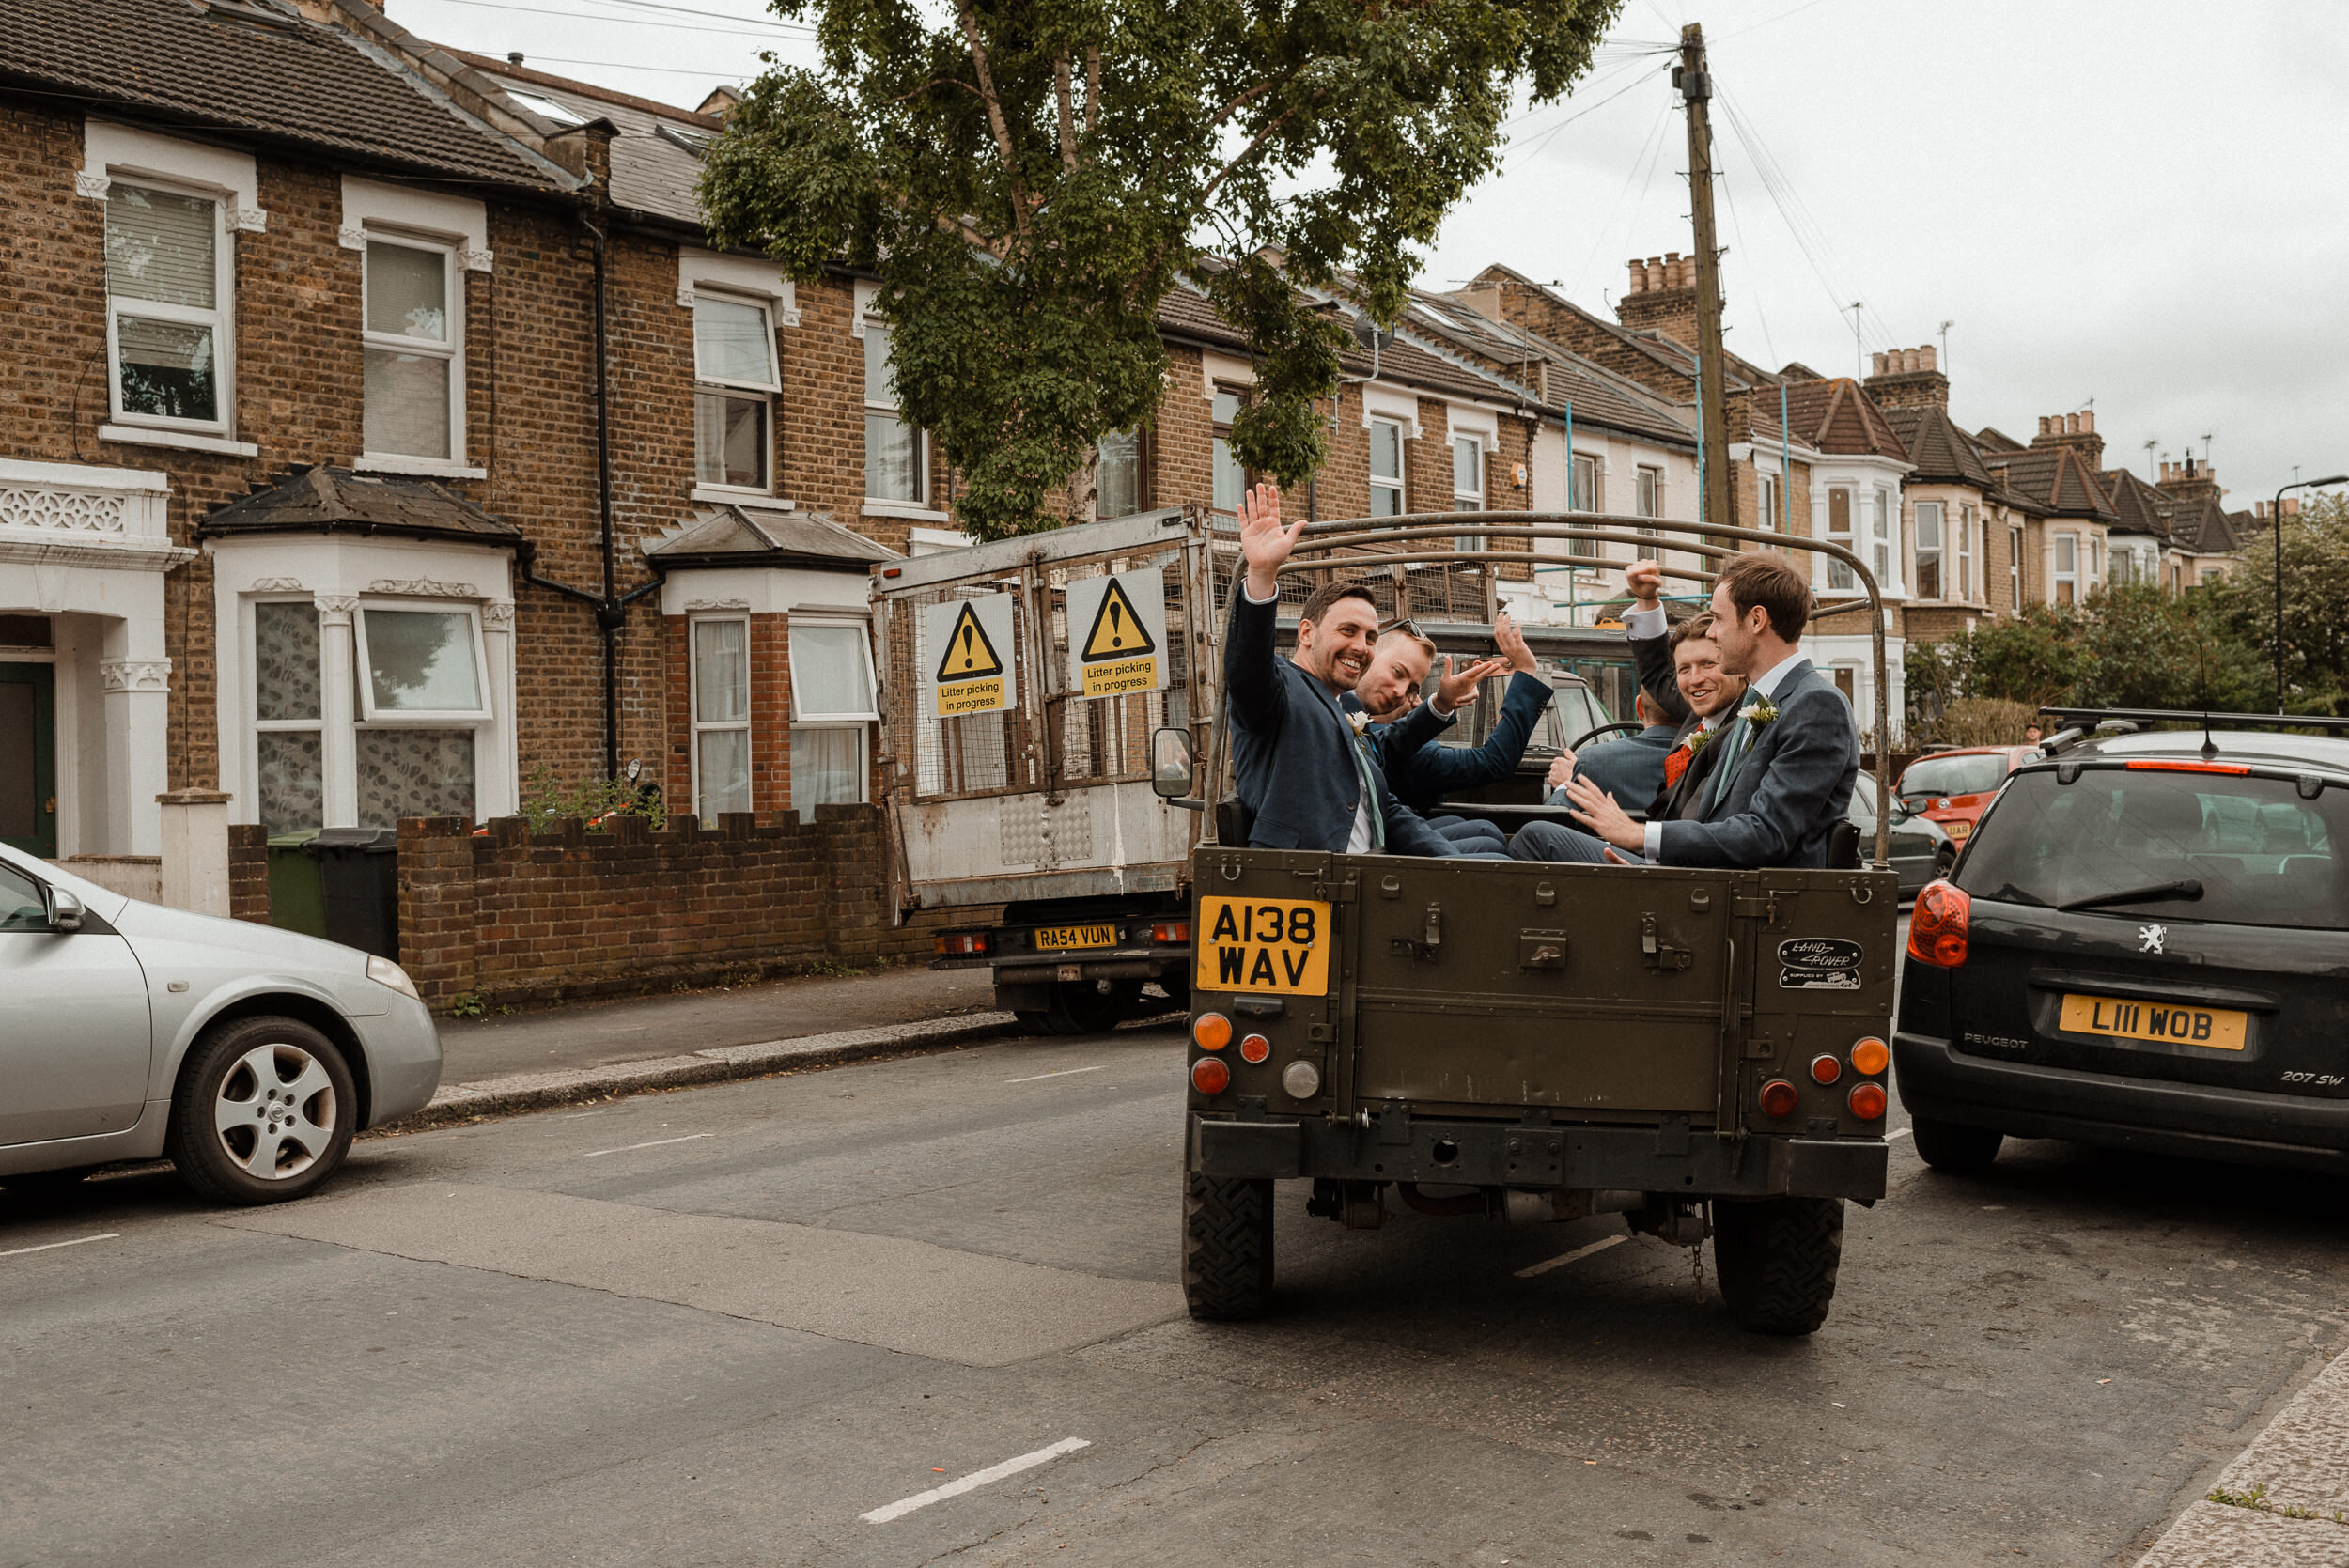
(1888, 513)
(896, 457)
(735, 385)
(1965, 553)
(832, 707)
(288, 722)
(720, 689)
(1839, 575)
(413, 386)
(422, 692)
(2015, 567)
(1929, 550)
(2065, 585)
(167, 328)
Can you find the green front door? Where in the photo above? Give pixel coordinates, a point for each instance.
(28, 758)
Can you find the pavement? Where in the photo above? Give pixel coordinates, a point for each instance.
(928, 1306)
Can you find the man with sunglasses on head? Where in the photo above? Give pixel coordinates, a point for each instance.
(1419, 767)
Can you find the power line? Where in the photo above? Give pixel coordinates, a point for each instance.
(1810, 237)
(1651, 149)
(1768, 23)
(632, 21)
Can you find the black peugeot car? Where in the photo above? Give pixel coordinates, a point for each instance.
(2145, 945)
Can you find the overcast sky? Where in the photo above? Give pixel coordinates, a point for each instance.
(2141, 203)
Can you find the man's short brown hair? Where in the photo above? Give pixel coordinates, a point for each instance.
(1696, 626)
(1318, 602)
(1765, 579)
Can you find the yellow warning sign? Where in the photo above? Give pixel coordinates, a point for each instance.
(1119, 651)
(970, 676)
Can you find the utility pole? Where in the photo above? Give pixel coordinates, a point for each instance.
(1696, 93)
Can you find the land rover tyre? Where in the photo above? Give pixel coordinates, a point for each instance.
(263, 1112)
(1227, 1246)
(1955, 1148)
(1778, 1258)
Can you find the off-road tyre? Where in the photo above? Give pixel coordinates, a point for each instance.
(1227, 1246)
(219, 1077)
(1091, 1006)
(1953, 1147)
(1777, 1258)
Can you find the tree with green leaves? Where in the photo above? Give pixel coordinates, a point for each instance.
(2316, 608)
(1028, 179)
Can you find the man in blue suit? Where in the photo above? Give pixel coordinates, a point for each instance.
(1628, 770)
(1408, 741)
(1302, 765)
(1785, 775)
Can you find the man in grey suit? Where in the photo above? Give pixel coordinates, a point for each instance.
(1783, 774)
(1631, 768)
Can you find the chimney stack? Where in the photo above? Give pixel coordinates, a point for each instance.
(2189, 479)
(2075, 430)
(1908, 379)
(1661, 296)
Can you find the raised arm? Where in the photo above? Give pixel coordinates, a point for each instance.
(1651, 648)
(1251, 669)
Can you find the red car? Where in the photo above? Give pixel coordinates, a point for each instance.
(1952, 787)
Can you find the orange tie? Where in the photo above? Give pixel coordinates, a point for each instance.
(1676, 763)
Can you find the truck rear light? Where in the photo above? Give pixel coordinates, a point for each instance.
(1825, 1069)
(1176, 931)
(1254, 1049)
(1869, 1058)
(1778, 1098)
(963, 944)
(1302, 1080)
(1213, 1031)
(1209, 1075)
(1867, 1101)
(1937, 927)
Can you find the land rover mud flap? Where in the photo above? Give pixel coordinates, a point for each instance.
(1501, 1154)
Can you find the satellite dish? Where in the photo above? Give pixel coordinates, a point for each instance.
(1370, 334)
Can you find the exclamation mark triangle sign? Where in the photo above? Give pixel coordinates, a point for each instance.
(1118, 632)
(968, 655)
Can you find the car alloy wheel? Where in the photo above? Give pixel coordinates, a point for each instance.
(276, 1113)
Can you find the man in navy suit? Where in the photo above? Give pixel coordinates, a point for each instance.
(1407, 740)
(1303, 767)
(1783, 775)
(1628, 770)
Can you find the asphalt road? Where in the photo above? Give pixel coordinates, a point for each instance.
(720, 1326)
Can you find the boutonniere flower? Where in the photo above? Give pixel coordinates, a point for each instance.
(1359, 721)
(1762, 713)
(1698, 739)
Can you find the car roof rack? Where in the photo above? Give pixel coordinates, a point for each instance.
(2141, 716)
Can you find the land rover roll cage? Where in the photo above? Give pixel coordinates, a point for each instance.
(1365, 545)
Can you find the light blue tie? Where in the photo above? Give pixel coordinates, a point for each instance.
(1736, 742)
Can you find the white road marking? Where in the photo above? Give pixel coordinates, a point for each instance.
(51, 1245)
(1066, 1072)
(1899, 1132)
(654, 1144)
(1570, 1257)
(975, 1480)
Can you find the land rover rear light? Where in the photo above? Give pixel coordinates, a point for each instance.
(1212, 1030)
(963, 944)
(1209, 1075)
(1825, 1069)
(1778, 1098)
(1869, 1057)
(1867, 1101)
(1937, 927)
(1171, 931)
(1302, 1080)
(1254, 1049)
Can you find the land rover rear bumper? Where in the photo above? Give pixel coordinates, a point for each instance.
(1667, 1159)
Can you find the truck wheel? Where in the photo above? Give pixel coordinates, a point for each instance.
(1227, 1246)
(1778, 1259)
(1955, 1148)
(1091, 1006)
(1034, 1023)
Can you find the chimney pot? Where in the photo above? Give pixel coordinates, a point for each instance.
(1879, 360)
(2043, 425)
(1932, 357)
(1638, 276)
(2088, 422)
(1655, 272)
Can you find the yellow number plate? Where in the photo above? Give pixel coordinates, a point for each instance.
(2217, 1028)
(1959, 830)
(1075, 936)
(1279, 945)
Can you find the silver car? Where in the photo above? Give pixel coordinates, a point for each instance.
(248, 1055)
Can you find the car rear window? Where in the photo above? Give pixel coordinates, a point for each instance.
(1977, 775)
(2262, 855)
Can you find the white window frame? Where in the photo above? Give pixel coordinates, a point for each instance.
(1884, 554)
(363, 666)
(1584, 463)
(251, 634)
(1396, 482)
(221, 319)
(694, 704)
(862, 321)
(767, 392)
(1939, 552)
(2059, 575)
(1849, 537)
(864, 762)
(864, 651)
(1647, 495)
(452, 348)
(402, 214)
(2015, 567)
(1771, 487)
(1965, 553)
(1463, 500)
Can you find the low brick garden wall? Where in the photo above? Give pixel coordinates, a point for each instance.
(523, 918)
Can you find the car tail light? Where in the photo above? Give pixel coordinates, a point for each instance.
(1210, 1075)
(1869, 1057)
(1778, 1098)
(1213, 1031)
(1825, 1069)
(963, 944)
(1937, 927)
(1254, 1049)
(1867, 1101)
(1171, 931)
(2152, 766)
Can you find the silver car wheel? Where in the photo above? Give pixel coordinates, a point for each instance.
(276, 1113)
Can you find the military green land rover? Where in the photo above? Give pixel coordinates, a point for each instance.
(1701, 1051)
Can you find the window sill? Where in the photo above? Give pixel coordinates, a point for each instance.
(726, 495)
(430, 468)
(918, 511)
(132, 435)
